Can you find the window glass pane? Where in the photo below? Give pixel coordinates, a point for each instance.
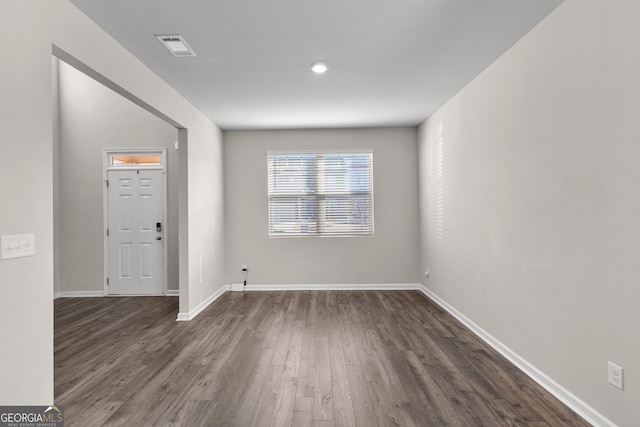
(125, 160)
(293, 215)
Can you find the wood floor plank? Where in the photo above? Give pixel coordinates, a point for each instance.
(251, 395)
(323, 407)
(343, 324)
(307, 369)
(241, 379)
(90, 413)
(363, 407)
(268, 397)
(323, 403)
(384, 410)
(343, 414)
(332, 358)
(302, 412)
(366, 353)
(285, 403)
(294, 353)
(385, 363)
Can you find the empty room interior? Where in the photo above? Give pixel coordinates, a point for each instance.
(422, 212)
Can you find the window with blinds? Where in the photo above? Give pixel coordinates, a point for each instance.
(320, 194)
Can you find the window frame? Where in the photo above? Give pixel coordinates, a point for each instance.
(321, 197)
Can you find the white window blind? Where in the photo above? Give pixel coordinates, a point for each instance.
(319, 194)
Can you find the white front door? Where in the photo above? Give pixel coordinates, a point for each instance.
(136, 232)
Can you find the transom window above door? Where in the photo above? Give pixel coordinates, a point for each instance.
(125, 160)
(140, 158)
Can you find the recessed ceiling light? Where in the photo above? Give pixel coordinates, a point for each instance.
(176, 44)
(319, 67)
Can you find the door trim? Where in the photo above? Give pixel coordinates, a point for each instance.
(106, 167)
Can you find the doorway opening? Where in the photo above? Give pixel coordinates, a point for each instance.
(92, 114)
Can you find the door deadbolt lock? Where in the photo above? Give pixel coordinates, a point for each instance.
(158, 227)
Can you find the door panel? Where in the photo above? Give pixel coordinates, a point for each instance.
(136, 252)
(145, 260)
(146, 213)
(125, 260)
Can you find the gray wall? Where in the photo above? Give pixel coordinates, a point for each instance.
(92, 118)
(538, 243)
(387, 258)
(26, 172)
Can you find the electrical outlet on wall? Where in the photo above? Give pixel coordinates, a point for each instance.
(616, 375)
(244, 267)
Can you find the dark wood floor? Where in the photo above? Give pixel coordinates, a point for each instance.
(335, 358)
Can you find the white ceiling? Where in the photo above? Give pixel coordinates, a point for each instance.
(392, 62)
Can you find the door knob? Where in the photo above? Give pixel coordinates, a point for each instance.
(158, 238)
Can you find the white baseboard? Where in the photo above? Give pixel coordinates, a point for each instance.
(237, 287)
(565, 396)
(338, 287)
(78, 294)
(186, 317)
(95, 294)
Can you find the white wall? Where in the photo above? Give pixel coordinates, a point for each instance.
(540, 237)
(26, 189)
(92, 118)
(387, 258)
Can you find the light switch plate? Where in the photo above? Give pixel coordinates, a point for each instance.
(17, 245)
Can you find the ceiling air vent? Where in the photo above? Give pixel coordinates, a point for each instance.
(176, 45)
